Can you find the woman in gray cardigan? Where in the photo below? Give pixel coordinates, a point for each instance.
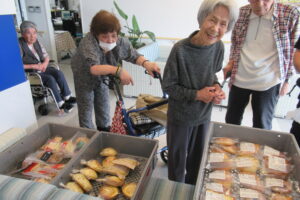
(190, 80)
(99, 54)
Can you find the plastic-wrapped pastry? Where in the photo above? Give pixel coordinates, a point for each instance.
(129, 189)
(223, 149)
(108, 192)
(251, 181)
(222, 177)
(247, 164)
(248, 149)
(108, 161)
(93, 164)
(111, 180)
(53, 144)
(109, 151)
(276, 167)
(42, 180)
(220, 161)
(127, 162)
(249, 194)
(72, 186)
(116, 170)
(269, 151)
(89, 173)
(217, 187)
(224, 141)
(81, 180)
(278, 185)
(280, 197)
(211, 195)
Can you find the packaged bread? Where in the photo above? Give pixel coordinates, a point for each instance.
(116, 170)
(251, 181)
(249, 149)
(89, 173)
(127, 162)
(277, 167)
(109, 151)
(93, 164)
(211, 195)
(275, 196)
(106, 162)
(226, 141)
(247, 164)
(249, 194)
(217, 187)
(269, 151)
(108, 192)
(111, 180)
(53, 144)
(215, 148)
(220, 161)
(81, 180)
(128, 189)
(278, 185)
(222, 177)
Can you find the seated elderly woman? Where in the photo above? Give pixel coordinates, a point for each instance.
(35, 57)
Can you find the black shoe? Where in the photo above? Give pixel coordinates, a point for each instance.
(71, 100)
(67, 107)
(106, 129)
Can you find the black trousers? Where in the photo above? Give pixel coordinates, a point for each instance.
(263, 105)
(185, 147)
(295, 130)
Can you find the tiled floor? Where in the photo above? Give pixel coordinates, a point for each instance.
(218, 115)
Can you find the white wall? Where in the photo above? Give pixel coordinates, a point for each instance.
(167, 18)
(44, 24)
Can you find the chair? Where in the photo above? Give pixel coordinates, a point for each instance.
(40, 91)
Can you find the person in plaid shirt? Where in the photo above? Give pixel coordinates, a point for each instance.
(260, 61)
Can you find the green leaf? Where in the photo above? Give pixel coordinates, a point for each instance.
(151, 35)
(121, 13)
(135, 25)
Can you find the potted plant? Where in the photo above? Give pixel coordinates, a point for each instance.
(135, 34)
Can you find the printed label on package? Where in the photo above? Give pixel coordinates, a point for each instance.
(216, 157)
(277, 163)
(247, 179)
(269, 151)
(217, 187)
(219, 174)
(271, 182)
(209, 195)
(247, 147)
(248, 193)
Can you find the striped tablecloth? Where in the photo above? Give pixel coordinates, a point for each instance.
(163, 189)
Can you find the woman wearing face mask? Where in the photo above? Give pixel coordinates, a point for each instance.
(99, 54)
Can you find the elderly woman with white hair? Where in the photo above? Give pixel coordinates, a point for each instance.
(190, 81)
(35, 57)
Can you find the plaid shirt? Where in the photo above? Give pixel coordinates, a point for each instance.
(285, 31)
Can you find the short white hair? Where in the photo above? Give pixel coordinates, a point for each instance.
(208, 6)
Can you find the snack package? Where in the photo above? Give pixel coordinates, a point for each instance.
(221, 161)
(251, 181)
(276, 167)
(46, 171)
(217, 187)
(71, 146)
(278, 185)
(247, 164)
(249, 194)
(221, 176)
(53, 144)
(211, 195)
(249, 149)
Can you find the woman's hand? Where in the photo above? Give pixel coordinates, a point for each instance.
(151, 67)
(125, 78)
(206, 94)
(220, 94)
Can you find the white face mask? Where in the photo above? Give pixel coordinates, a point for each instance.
(107, 46)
